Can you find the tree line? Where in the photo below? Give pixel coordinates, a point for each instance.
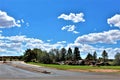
(54, 55)
(63, 55)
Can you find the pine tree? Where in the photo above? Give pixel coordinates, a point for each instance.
(95, 56)
(89, 57)
(63, 52)
(105, 56)
(69, 54)
(76, 54)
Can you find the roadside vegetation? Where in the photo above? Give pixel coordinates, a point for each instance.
(69, 57)
(69, 60)
(73, 67)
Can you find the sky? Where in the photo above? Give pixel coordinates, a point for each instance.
(91, 25)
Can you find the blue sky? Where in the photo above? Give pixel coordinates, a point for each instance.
(91, 25)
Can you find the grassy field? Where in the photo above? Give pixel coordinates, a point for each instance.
(77, 67)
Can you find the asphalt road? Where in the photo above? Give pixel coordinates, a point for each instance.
(11, 72)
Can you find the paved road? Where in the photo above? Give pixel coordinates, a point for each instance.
(8, 72)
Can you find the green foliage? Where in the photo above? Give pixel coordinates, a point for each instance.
(44, 58)
(62, 52)
(95, 56)
(89, 57)
(117, 59)
(76, 54)
(58, 56)
(69, 54)
(68, 67)
(105, 56)
(52, 55)
(29, 55)
(57, 59)
(36, 55)
(55, 55)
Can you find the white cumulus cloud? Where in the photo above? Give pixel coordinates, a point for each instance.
(70, 28)
(109, 37)
(114, 21)
(7, 21)
(16, 45)
(73, 17)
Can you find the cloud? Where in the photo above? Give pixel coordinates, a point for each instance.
(76, 32)
(114, 21)
(76, 18)
(7, 21)
(85, 49)
(27, 24)
(22, 21)
(16, 45)
(49, 40)
(70, 28)
(1, 31)
(61, 42)
(109, 37)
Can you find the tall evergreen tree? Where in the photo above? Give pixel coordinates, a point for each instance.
(69, 54)
(105, 56)
(57, 55)
(76, 54)
(89, 57)
(63, 52)
(95, 56)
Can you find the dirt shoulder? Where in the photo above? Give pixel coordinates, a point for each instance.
(36, 68)
(29, 67)
(95, 70)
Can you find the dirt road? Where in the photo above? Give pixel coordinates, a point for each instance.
(9, 72)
